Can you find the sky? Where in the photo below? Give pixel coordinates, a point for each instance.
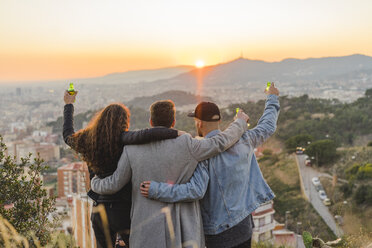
(50, 39)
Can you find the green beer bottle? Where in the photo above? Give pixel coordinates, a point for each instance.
(71, 89)
(268, 86)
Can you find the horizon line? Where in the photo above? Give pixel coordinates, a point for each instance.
(174, 66)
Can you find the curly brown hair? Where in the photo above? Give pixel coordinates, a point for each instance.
(100, 142)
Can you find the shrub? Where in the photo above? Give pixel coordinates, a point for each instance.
(365, 172)
(369, 143)
(359, 172)
(21, 190)
(352, 171)
(346, 189)
(361, 194)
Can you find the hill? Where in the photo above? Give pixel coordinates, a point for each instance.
(180, 98)
(330, 77)
(144, 75)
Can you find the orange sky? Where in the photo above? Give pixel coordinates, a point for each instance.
(41, 40)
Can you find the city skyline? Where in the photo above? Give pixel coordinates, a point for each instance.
(62, 40)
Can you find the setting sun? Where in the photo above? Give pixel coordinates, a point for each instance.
(199, 64)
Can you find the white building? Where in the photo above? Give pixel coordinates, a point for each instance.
(263, 218)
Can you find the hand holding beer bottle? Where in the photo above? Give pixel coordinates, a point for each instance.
(70, 95)
(271, 89)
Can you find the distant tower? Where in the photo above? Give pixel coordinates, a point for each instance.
(241, 54)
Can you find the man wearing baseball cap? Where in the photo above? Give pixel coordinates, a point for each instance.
(236, 185)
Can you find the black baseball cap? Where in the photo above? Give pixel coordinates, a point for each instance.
(206, 111)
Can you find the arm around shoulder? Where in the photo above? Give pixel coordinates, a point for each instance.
(207, 148)
(148, 135)
(112, 184)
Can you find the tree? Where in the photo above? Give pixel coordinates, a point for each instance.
(368, 93)
(23, 201)
(369, 143)
(301, 140)
(324, 151)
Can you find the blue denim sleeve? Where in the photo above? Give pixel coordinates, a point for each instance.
(266, 126)
(190, 191)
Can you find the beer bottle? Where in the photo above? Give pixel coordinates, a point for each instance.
(71, 89)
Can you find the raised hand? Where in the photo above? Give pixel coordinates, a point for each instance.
(272, 90)
(69, 99)
(242, 115)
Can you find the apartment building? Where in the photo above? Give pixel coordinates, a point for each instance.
(263, 218)
(73, 178)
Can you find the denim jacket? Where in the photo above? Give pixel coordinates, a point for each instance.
(236, 185)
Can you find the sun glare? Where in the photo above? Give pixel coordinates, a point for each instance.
(199, 64)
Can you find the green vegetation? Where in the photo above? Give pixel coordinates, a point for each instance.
(359, 172)
(79, 120)
(352, 199)
(320, 118)
(301, 140)
(28, 205)
(308, 239)
(324, 151)
(363, 195)
(369, 143)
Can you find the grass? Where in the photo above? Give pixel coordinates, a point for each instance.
(356, 217)
(10, 238)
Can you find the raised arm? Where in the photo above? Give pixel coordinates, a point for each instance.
(68, 119)
(207, 148)
(148, 135)
(266, 126)
(191, 191)
(112, 184)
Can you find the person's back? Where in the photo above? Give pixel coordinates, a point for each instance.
(166, 161)
(171, 161)
(239, 187)
(236, 185)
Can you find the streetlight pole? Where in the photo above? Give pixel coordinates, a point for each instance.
(286, 218)
(298, 227)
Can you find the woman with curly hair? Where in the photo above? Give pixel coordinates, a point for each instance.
(100, 145)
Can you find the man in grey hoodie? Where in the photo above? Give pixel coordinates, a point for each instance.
(158, 224)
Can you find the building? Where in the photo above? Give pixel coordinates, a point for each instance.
(73, 179)
(284, 237)
(81, 209)
(264, 223)
(21, 149)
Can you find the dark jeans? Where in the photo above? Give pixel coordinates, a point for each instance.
(118, 215)
(246, 244)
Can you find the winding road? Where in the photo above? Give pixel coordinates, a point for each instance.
(306, 174)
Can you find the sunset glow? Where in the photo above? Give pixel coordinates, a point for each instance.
(199, 64)
(42, 40)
